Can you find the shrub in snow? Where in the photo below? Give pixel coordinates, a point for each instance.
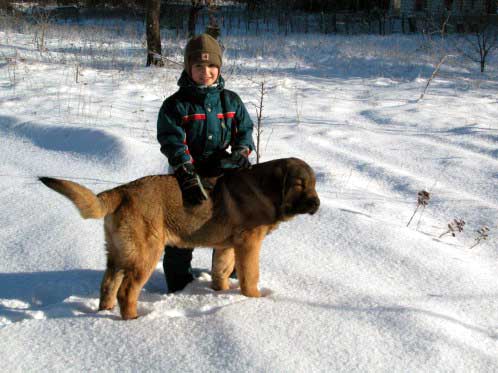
(454, 226)
(482, 235)
(422, 200)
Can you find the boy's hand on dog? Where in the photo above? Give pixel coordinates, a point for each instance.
(193, 191)
(238, 159)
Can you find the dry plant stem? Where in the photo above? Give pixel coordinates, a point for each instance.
(298, 109)
(42, 21)
(413, 215)
(474, 245)
(444, 234)
(11, 68)
(259, 117)
(482, 236)
(259, 113)
(423, 198)
(454, 226)
(434, 74)
(443, 26)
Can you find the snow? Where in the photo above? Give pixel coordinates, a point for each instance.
(351, 288)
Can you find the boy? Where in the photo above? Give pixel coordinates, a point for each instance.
(195, 126)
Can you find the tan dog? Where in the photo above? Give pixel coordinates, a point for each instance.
(143, 216)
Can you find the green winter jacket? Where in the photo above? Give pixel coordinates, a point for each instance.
(194, 125)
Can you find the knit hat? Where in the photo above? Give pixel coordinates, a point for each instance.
(202, 49)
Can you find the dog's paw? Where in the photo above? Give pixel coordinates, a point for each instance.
(220, 284)
(106, 306)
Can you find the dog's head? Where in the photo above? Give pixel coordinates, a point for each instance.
(298, 188)
(269, 192)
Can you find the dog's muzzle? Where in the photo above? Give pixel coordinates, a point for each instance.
(312, 205)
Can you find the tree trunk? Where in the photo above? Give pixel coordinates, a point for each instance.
(213, 27)
(192, 17)
(153, 33)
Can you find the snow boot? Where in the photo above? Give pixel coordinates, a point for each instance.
(177, 268)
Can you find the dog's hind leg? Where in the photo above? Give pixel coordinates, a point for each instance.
(110, 285)
(129, 291)
(113, 274)
(222, 267)
(135, 277)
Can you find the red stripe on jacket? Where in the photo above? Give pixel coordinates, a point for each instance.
(192, 117)
(230, 114)
(188, 118)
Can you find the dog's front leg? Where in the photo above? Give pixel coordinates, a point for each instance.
(222, 267)
(247, 261)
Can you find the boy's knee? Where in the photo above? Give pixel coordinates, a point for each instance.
(177, 259)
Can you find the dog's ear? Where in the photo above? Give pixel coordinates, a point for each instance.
(287, 200)
(273, 183)
(298, 189)
(280, 186)
(285, 174)
(271, 179)
(288, 186)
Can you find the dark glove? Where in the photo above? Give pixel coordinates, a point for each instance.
(190, 183)
(238, 159)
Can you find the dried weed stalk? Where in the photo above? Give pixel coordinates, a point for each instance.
(434, 74)
(482, 235)
(259, 115)
(422, 201)
(453, 227)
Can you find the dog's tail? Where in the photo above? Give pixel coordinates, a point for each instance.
(90, 206)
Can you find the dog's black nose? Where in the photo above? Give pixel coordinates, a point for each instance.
(313, 204)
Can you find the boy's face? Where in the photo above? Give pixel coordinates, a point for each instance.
(204, 74)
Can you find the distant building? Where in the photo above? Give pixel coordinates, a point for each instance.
(460, 8)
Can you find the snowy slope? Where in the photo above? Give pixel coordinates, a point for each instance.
(351, 288)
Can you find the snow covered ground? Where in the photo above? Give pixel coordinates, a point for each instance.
(351, 288)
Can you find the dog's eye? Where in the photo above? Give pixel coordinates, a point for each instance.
(298, 184)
